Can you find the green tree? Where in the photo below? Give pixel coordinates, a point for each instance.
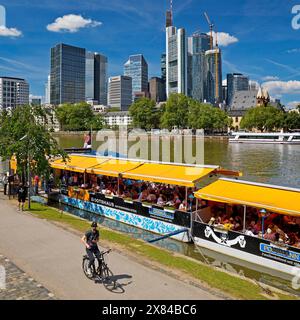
(22, 136)
(78, 117)
(176, 112)
(144, 114)
(291, 121)
(205, 116)
(263, 118)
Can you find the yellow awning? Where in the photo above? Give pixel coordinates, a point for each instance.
(272, 198)
(77, 163)
(169, 174)
(114, 167)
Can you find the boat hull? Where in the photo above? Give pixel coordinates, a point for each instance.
(110, 211)
(251, 249)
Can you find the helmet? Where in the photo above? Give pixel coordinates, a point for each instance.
(94, 225)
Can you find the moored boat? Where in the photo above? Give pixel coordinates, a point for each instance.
(265, 138)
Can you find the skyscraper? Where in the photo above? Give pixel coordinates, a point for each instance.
(96, 78)
(137, 68)
(67, 74)
(120, 92)
(213, 75)
(47, 90)
(157, 89)
(198, 43)
(163, 67)
(236, 82)
(176, 61)
(14, 92)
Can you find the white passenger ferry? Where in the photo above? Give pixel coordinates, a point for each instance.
(276, 137)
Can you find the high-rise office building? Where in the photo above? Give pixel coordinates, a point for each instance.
(137, 68)
(47, 90)
(198, 43)
(120, 92)
(176, 61)
(213, 75)
(67, 74)
(157, 89)
(236, 82)
(14, 92)
(163, 67)
(96, 78)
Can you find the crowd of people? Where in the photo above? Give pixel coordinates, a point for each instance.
(275, 227)
(162, 195)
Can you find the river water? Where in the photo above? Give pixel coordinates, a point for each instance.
(275, 164)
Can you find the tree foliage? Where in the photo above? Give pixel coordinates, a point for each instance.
(22, 135)
(270, 119)
(205, 116)
(78, 117)
(144, 114)
(176, 112)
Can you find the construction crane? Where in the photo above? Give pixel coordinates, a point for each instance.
(211, 27)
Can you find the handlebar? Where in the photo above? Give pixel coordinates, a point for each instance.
(106, 252)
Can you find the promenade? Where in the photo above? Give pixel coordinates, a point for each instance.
(52, 256)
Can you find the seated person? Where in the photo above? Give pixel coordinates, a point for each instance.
(229, 224)
(183, 206)
(270, 235)
(161, 200)
(151, 198)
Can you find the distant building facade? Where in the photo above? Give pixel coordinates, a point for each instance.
(67, 74)
(137, 68)
(118, 118)
(120, 92)
(14, 92)
(198, 43)
(236, 82)
(176, 61)
(213, 75)
(47, 90)
(157, 89)
(96, 78)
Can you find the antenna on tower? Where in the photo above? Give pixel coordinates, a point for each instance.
(169, 15)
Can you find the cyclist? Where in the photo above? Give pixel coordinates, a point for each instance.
(90, 240)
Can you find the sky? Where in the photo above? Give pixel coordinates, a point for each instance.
(259, 38)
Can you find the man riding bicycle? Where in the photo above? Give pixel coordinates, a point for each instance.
(90, 240)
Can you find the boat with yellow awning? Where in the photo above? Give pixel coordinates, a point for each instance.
(266, 231)
(97, 183)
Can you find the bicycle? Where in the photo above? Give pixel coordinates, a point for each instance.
(100, 271)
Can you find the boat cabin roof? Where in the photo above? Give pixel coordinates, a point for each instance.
(158, 172)
(270, 197)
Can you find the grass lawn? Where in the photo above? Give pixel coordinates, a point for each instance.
(231, 285)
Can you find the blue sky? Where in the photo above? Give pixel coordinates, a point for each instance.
(265, 45)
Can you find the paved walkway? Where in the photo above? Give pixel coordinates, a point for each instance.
(17, 285)
(53, 257)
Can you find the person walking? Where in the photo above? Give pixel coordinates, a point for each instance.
(21, 191)
(5, 183)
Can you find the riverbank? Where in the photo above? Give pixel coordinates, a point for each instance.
(176, 265)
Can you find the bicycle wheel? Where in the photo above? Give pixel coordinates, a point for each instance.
(85, 265)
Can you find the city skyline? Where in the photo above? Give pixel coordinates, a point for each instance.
(253, 44)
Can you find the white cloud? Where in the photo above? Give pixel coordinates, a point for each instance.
(293, 104)
(296, 50)
(270, 78)
(9, 32)
(224, 39)
(282, 87)
(71, 23)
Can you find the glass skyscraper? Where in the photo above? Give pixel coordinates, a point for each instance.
(67, 74)
(236, 82)
(198, 43)
(137, 68)
(96, 78)
(213, 73)
(176, 61)
(163, 67)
